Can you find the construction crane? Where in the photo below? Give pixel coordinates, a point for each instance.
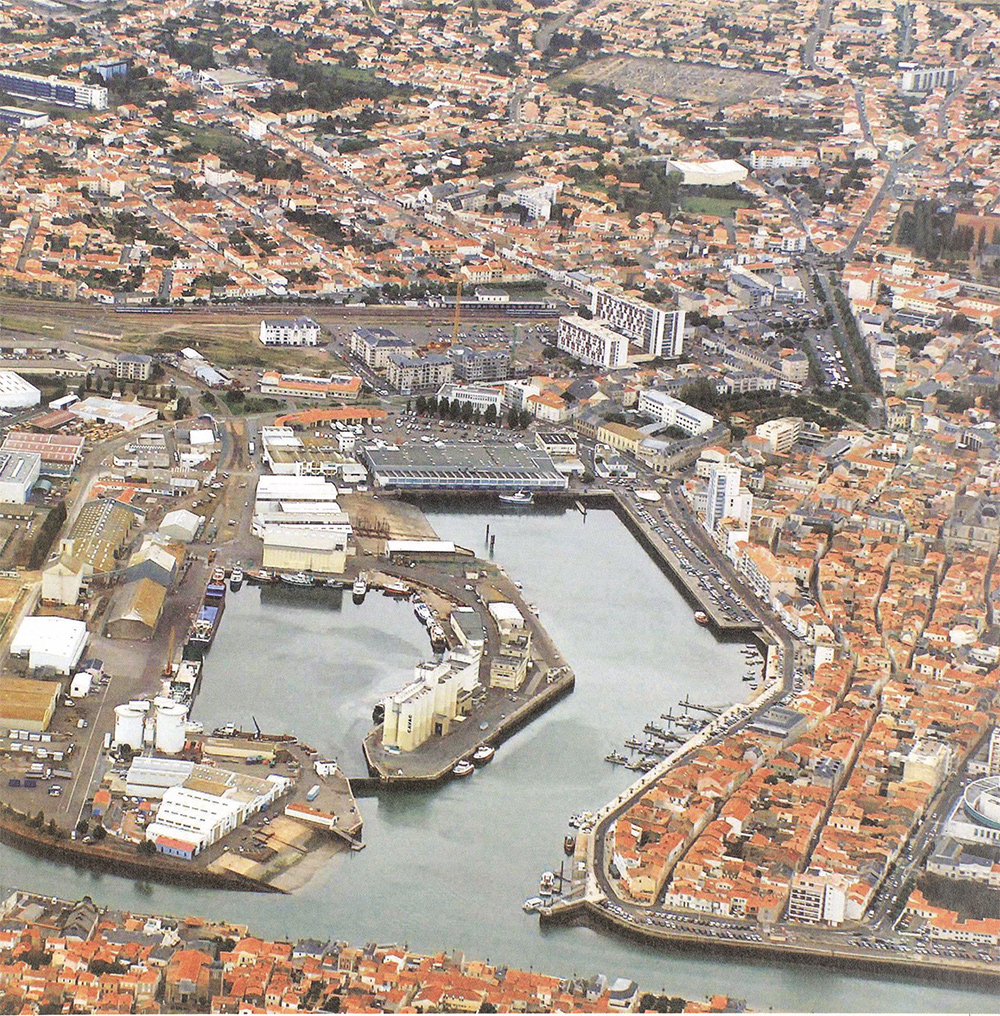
(168, 667)
(458, 311)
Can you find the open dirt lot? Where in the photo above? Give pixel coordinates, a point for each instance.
(670, 79)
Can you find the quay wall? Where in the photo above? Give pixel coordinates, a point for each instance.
(115, 861)
(586, 913)
(378, 780)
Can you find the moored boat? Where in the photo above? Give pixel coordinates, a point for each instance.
(259, 575)
(423, 613)
(439, 640)
(360, 589)
(236, 578)
(462, 768)
(569, 844)
(218, 575)
(518, 497)
(701, 617)
(396, 589)
(483, 754)
(296, 579)
(532, 904)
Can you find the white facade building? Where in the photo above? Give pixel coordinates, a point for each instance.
(592, 342)
(926, 79)
(726, 500)
(300, 331)
(18, 473)
(480, 397)
(660, 332)
(674, 413)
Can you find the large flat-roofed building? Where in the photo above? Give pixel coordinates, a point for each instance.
(16, 393)
(591, 342)
(52, 89)
(26, 119)
(308, 548)
(408, 374)
(672, 412)
(715, 173)
(335, 388)
(481, 397)
(462, 466)
(127, 415)
(300, 331)
(55, 642)
(18, 473)
(60, 453)
(373, 345)
(659, 331)
(26, 704)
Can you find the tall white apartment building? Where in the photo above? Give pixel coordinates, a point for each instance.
(726, 500)
(674, 413)
(592, 342)
(300, 331)
(659, 331)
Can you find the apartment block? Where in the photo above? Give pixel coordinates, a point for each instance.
(591, 342)
(659, 331)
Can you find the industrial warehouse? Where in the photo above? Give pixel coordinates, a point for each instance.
(462, 466)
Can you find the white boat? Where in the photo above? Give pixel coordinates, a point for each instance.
(236, 578)
(462, 768)
(423, 613)
(296, 579)
(483, 754)
(533, 904)
(519, 497)
(359, 589)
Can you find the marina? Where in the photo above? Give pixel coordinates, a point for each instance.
(484, 839)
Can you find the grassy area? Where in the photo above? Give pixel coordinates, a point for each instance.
(721, 207)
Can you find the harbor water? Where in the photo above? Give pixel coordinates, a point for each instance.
(448, 869)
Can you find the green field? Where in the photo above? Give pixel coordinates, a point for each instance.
(721, 207)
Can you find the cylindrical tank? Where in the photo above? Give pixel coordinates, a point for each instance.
(171, 718)
(128, 725)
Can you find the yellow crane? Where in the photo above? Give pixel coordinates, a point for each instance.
(458, 311)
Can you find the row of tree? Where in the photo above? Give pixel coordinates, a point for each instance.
(464, 412)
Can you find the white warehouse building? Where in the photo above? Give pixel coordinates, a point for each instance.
(56, 642)
(16, 393)
(717, 173)
(480, 397)
(18, 474)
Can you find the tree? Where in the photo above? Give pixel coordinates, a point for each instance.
(157, 372)
(147, 847)
(512, 418)
(183, 406)
(82, 827)
(39, 820)
(421, 405)
(100, 832)
(53, 828)
(490, 416)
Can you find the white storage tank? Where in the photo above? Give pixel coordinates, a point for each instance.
(171, 719)
(129, 722)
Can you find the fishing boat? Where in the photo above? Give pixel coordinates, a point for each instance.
(259, 575)
(359, 589)
(206, 622)
(532, 905)
(547, 884)
(296, 579)
(439, 640)
(423, 613)
(569, 844)
(236, 578)
(483, 754)
(218, 575)
(522, 497)
(614, 757)
(701, 617)
(463, 768)
(396, 589)
(333, 584)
